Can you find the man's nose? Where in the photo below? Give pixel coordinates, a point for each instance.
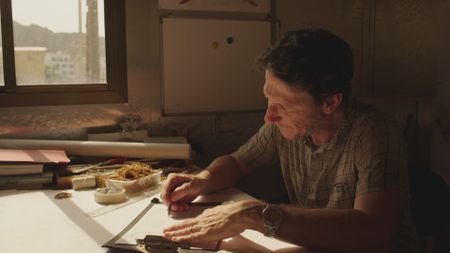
(271, 116)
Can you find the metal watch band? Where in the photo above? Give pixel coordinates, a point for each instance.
(272, 217)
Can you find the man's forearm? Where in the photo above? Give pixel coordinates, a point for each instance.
(342, 230)
(225, 171)
(334, 230)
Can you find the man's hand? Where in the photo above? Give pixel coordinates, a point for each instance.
(217, 223)
(180, 189)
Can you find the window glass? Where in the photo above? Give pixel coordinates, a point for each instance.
(59, 42)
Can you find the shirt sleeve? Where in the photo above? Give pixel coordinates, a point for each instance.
(260, 151)
(381, 160)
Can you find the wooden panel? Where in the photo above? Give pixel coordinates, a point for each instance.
(404, 49)
(251, 6)
(344, 18)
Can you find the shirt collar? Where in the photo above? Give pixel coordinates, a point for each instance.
(342, 132)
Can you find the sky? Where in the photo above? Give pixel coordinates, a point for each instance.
(56, 15)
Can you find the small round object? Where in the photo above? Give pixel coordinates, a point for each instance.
(215, 44)
(109, 195)
(63, 195)
(230, 40)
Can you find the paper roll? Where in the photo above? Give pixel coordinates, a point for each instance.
(82, 182)
(105, 148)
(64, 182)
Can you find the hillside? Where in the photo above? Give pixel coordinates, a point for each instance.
(37, 36)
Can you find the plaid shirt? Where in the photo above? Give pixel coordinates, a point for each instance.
(366, 154)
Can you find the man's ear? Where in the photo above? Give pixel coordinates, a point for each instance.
(332, 103)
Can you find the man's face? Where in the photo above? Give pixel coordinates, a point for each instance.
(293, 111)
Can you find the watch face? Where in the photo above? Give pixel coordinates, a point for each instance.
(273, 215)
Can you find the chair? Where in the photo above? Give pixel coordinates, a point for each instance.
(430, 196)
(430, 207)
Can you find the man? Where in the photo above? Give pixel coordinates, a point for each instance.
(343, 163)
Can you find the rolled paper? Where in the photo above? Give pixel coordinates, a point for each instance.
(105, 148)
(82, 182)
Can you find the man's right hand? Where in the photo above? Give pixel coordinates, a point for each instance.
(181, 189)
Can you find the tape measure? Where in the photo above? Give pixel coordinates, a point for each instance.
(131, 199)
(109, 195)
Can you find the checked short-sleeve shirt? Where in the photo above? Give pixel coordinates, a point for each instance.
(366, 154)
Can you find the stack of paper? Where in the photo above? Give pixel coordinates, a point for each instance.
(24, 168)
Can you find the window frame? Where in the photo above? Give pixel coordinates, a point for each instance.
(115, 90)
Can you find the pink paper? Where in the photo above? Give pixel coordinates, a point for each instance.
(33, 156)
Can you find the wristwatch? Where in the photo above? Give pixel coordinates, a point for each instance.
(272, 217)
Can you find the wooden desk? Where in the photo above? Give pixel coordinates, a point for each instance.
(34, 221)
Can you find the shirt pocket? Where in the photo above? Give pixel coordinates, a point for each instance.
(342, 192)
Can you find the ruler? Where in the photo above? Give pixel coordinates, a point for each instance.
(131, 200)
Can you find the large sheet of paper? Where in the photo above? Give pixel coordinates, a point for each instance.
(156, 218)
(32, 221)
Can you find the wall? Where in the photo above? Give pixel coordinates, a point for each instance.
(211, 135)
(440, 143)
(394, 43)
(345, 18)
(394, 56)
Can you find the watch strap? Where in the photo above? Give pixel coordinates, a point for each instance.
(272, 218)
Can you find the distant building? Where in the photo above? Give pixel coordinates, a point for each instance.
(36, 66)
(59, 67)
(30, 66)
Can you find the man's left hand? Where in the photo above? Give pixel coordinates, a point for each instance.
(216, 223)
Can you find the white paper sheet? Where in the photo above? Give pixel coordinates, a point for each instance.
(157, 218)
(51, 225)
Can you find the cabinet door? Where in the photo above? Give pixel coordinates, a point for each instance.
(344, 18)
(394, 41)
(404, 58)
(250, 6)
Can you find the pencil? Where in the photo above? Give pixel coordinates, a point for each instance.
(206, 203)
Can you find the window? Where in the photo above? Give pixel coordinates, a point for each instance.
(41, 39)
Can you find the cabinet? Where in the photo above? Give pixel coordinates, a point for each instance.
(393, 41)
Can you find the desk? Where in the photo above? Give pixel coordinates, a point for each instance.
(34, 221)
